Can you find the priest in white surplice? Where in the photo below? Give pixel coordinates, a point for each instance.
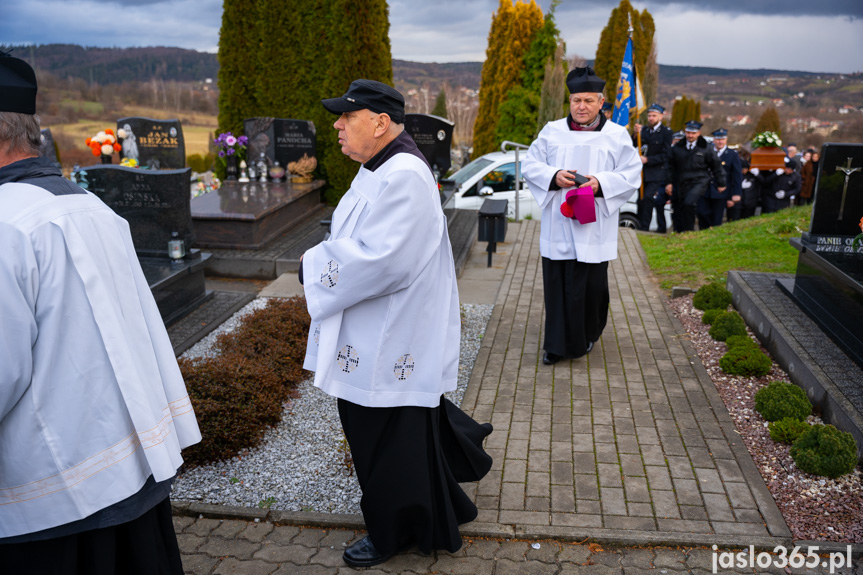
(385, 333)
(93, 409)
(575, 256)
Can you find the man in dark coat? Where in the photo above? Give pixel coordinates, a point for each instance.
(780, 187)
(692, 164)
(712, 206)
(655, 152)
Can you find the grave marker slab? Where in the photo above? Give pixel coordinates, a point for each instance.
(282, 140)
(157, 144)
(433, 136)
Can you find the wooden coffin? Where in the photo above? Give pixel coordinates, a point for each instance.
(767, 158)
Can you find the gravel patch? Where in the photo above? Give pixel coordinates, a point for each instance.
(815, 508)
(303, 463)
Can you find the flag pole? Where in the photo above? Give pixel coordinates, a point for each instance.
(638, 136)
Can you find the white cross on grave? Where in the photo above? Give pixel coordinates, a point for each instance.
(847, 170)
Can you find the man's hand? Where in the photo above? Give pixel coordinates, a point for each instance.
(720, 190)
(643, 159)
(564, 179)
(637, 127)
(593, 183)
(729, 204)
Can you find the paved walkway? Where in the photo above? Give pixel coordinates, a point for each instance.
(630, 447)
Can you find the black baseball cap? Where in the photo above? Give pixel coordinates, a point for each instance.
(369, 95)
(17, 86)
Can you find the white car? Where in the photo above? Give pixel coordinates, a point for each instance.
(492, 176)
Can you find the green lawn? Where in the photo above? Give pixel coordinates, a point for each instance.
(758, 244)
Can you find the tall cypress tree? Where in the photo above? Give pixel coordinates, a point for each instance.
(768, 122)
(440, 104)
(612, 44)
(493, 85)
(279, 58)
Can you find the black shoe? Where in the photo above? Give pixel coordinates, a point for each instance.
(589, 347)
(363, 554)
(549, 358)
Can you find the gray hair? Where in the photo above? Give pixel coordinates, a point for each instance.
(20, 133)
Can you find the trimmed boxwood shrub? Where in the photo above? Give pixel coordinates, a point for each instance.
(825, 450)
(712, 296)
(710, 315)
(781, 399)
(746, 361)
(739, 341)
(787, 430)
(727, 324)
(240, 392)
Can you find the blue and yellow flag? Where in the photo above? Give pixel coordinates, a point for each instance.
(629, 95)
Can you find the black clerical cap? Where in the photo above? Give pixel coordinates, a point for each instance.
(720, 133)
(693, 126)
(369, 95)
(17, 86)
(654, 107)
(791, 163)
(584, 80)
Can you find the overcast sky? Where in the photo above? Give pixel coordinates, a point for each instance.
(808, 35)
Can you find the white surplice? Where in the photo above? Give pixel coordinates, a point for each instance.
(91, 398)
(610, 157)
(382, 292)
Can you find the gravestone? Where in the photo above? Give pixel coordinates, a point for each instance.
(282, 140)
(156, 204)
(433, 136)
(828, 284)
(157, 144)
(47, 149)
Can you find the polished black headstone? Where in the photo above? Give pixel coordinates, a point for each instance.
(154, 202)
(433, 136)
(828, 284)
(838, 205)
(157, 144)
(47, 149)
(282, 140)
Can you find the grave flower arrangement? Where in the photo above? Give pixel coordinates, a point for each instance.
(104, 143)
(859, 237)
(229, 144)
(766, 140)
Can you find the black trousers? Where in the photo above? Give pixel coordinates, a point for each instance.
(576, 305)
(692, 191)
(144, 546)
(654, 201)
(409, 462)
(710, 212)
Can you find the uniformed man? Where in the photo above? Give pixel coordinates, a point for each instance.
(575, 256)
(655, 153)
(385, 334)
(712, 207)
(692, 164)
(93, 409)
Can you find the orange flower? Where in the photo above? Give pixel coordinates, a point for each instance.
(96, 151)
(109, 131)
(87, 142)
(117, 147)
(861, 224)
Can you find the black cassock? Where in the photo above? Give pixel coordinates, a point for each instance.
(409, 462)
(576, 305)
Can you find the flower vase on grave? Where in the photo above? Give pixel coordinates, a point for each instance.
(106, 159)
(231, 167)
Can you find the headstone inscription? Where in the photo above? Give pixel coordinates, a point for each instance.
(157, 144)
(47, 149)
(154, 202)
(433, 137)
(281, 140)
(828, 284)
(156, 205)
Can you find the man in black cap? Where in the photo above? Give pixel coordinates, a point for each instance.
(655, 152)
(780, 187)
(385, 334)
(575, 254)
(692, 164)
(93, 409)
(714, 205)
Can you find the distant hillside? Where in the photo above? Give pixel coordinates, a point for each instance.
(116, 65)
(408, 75)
